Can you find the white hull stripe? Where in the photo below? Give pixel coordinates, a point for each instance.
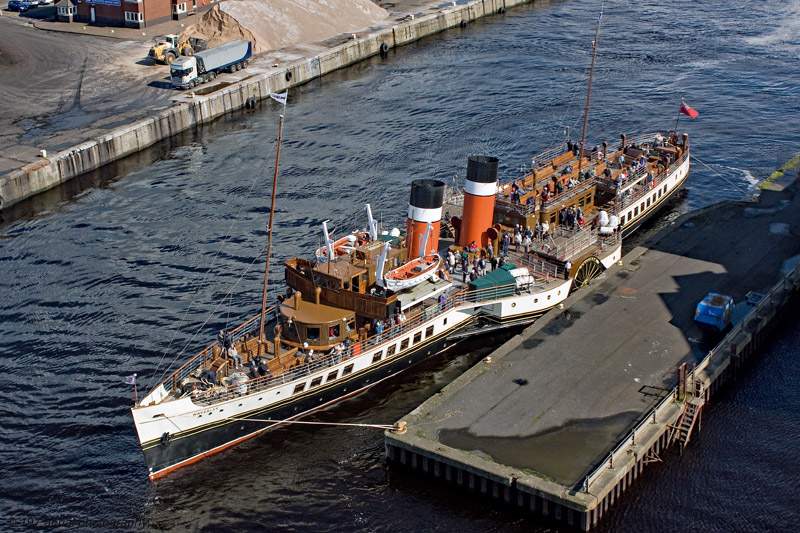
(480, 189)
(419, 214)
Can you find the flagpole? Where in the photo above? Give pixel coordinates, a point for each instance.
(135, 394)
(269, 235)
(679, 116)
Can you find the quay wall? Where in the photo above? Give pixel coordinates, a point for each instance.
(120, 142)
(583, 507)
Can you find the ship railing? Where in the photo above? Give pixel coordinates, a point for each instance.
(391, 333)
(203, 358)
(453, 195)
(647, 188)
(645, 138)
(521, 209)
(621, 451)
(580, 241)
(544, 271)
(543, 159)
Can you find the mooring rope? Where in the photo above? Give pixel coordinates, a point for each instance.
(400, 426)
(737, 186)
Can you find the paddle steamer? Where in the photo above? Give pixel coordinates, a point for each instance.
(338, 329)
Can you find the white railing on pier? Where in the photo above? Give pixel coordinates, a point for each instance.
(620, 451)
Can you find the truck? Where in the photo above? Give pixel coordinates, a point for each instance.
(187, 72)
(169, 47)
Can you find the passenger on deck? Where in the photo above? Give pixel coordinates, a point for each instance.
(254, 368)
(233, 354)
(310, 357)
(567, 170)
(209, 376)
(621, 160)
(490, 250)
(571, 183)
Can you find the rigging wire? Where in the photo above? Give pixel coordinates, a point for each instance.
(399, 427)
(234, 220)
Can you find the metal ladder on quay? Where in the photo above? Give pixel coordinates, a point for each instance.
(691, 415)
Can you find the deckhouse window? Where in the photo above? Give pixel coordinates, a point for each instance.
(333, 332)
(348, 369)
(429, 332)
(377, 357)
(315, 382)
(312, 334)
(403, 344)
(332, 376)
(417, 337)
(391, 350)
(300, 387)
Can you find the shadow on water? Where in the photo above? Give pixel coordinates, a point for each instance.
(563, 454)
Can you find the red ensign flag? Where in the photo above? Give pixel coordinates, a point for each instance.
(686, 110)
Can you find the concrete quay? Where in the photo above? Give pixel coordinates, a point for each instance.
(288, 68)
(567, 414)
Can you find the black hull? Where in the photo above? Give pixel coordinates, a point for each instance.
(194, 444)
(634, 225)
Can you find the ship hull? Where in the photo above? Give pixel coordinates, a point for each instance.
(191, 445)
(678, 179)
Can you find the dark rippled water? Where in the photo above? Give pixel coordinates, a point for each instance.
(103, 277)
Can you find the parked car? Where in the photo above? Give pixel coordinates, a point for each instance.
(20, 5)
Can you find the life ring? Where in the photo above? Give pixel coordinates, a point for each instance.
(384, 49)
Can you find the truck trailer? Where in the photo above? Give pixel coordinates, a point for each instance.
(187, 72)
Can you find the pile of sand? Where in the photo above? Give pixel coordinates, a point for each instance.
(272, 24)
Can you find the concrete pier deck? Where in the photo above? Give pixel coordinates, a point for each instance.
(566, 415)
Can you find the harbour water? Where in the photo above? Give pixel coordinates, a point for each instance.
(136, 266)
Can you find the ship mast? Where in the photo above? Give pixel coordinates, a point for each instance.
(269, 237)
(589, 90)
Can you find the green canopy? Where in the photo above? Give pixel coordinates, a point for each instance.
(498, 283)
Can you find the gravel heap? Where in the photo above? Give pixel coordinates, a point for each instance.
(272, 24)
